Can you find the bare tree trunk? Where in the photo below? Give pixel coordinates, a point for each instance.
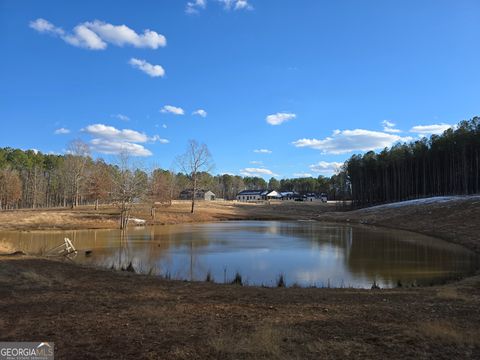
(195, 160)
(194, 191)
(76, 194)
(123, 219)
(34, 192)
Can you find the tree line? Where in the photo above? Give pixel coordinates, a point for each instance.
(31, 179)
(446, 164)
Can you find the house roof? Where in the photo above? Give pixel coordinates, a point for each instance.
(289, 193)
(251, 192)
(274, 193)
(199, 191)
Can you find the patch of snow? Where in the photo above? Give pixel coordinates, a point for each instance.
(425, 201)
(136, 221)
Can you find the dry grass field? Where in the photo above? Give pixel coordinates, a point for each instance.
(86, 217)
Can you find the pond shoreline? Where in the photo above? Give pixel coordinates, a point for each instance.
(453, 222)
(158, 318)
(371, 253)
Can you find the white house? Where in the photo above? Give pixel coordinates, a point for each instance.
(252, 195)
(274, 195)
(290, 195)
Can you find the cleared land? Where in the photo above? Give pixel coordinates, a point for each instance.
(107, 216)
(92, 313)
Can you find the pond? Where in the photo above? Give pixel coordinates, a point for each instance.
(305, 253)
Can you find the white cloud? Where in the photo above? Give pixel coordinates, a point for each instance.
(110, 140)
(62, 131)
(200, 112)
(345, 141)
(389, 127)
(430, 129)
(279, 118)
(243, 4)
(326, 168)
(112, 147)
(121, 117)
(95, 35)
(110, 132)
(159, 139)
(262, 151)
(388, 123)
(147, 68)
(172, 110)
(44, 26)
(85, 38)
(236, 4)
(194, 6)
(256, 162)
(121, 35)
(302, 175)
(81, 36)
(257, 172)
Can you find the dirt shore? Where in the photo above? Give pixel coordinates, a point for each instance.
(93, 313)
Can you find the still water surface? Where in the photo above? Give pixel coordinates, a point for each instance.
(306, 253)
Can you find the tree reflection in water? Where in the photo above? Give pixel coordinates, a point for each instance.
(308, 253)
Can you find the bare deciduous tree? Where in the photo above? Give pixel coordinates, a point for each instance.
(99, 182)
(10, 188)
(74, 169)
(161, 187)
(193, 162)
(129, 185)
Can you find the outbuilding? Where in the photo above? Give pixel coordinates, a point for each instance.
(199, 195)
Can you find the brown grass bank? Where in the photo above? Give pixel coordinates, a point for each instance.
(86, 217)
(103, 314)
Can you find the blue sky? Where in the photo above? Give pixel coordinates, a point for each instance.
(273, 87)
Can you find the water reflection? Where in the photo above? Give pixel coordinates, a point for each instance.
(307, 253)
